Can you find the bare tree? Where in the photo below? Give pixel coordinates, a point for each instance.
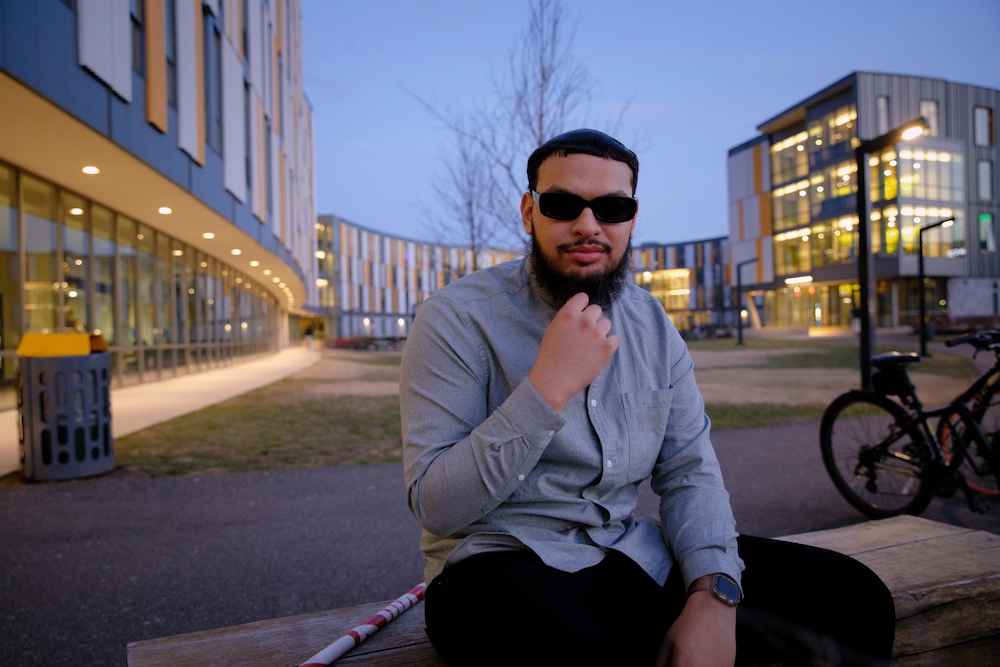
(464, 191)
(543, 92)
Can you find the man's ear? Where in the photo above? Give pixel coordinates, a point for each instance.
(527, 211)
(631, 231)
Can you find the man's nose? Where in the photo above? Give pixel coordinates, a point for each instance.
(586, 224)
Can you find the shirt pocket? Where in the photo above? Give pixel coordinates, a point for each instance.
(646, 414)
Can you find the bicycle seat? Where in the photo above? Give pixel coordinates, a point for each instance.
(891, 360)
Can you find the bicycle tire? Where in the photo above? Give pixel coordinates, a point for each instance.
(880, 482)
(980, 466)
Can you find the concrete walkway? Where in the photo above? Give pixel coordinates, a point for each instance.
(141, 406)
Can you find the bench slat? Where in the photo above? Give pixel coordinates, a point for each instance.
(291, 641)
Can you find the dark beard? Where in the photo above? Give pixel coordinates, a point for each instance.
(602, 289)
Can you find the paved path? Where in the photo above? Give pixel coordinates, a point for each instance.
(141, 406)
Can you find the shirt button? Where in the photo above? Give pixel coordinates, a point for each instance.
(520, 478)
(609, 463)
(593, 403)
(551, 433)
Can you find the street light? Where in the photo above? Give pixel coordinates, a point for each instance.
(739, 299)
(947, 222)
(866, 280)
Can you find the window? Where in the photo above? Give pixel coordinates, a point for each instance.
(171, 48)
(831, 136)
(983, 126)
(985, 178)
(929, 174)
(882, 114)
(790, 205)
(138, 37)
(789, 159)
(831, 187)
(792, 252)
(213, 81)
(247, 129)
(929, 110)
(987, 239)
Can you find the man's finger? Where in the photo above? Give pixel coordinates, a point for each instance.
(578, 302)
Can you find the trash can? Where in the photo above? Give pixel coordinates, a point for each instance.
(64, 406)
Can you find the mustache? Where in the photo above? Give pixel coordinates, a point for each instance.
(566, 246)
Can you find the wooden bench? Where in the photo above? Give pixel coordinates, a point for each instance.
(945, 583)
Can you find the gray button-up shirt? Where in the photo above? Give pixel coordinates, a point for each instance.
(490, 466)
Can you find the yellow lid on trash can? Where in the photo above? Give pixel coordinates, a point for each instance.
(60, 345)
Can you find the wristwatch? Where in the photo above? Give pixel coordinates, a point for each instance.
(722, 586)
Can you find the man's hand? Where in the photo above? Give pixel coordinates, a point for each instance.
(575, 349)
(704, 635)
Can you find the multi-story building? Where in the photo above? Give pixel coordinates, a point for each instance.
(689, 279)
(792, 203)
(155, 178)
(370, 283)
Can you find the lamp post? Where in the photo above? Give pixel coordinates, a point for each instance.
(866, 280)
(739, 299)
(947, 222)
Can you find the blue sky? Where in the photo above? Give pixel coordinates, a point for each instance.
(700, 76)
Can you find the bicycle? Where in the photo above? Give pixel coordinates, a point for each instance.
(886, 458)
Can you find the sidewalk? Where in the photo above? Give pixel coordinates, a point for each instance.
(141, 406)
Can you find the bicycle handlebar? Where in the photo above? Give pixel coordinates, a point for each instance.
(981, 340)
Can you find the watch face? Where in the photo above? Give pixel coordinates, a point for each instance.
(727, 589)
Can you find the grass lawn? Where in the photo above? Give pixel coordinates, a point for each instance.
(302, 422)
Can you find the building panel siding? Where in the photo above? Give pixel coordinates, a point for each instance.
(105, 42)
(233, 139)
(156, 65)
(190, 89)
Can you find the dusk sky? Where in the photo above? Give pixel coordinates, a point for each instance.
(700, 76)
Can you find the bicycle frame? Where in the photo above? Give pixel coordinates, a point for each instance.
(972, 434)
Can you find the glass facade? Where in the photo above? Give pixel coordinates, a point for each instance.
(164, 308)
(789, 159)
(832, 136)
(811, 305)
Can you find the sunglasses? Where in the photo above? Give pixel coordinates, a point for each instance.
(566, 206)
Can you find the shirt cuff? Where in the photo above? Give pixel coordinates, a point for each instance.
(530, 415)
(709, 561)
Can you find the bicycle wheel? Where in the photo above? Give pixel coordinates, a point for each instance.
(979, 465)
(875, 465)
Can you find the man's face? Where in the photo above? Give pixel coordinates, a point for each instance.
(583, 249)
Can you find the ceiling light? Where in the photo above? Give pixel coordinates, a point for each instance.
(267, 272)
(276, 279)
(76, 210)
(91, 170)
(208, 235)
(166, 210)
(236, 251)
(255, 263)
(178, 253)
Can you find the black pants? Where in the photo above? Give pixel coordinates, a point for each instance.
(802, 606)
